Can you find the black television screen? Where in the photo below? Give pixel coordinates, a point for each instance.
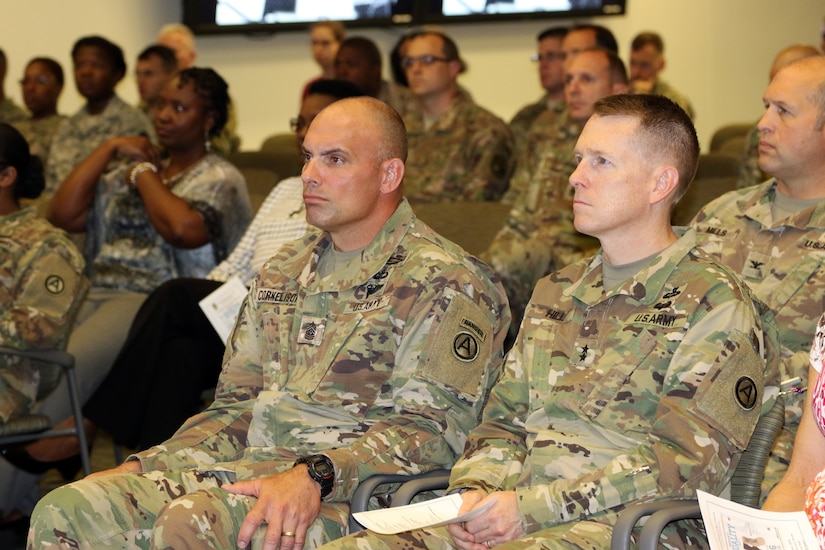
(240, 16)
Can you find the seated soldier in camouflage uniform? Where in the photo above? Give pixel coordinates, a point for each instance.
(41, 278)
(365, 349)
(638, 373)
(459, 151)
(538, 235)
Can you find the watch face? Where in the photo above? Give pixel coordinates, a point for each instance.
(323, 467)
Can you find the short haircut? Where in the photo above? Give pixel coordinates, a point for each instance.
(393, 134)
(813, 65)
(14, 151)
(616, 67)
(166, 55)
(337, 28)
(604, 38)
(644, 38)
(365, 47)
(665, 131)
(210, 87)
(552, 32)
(110, 50)
(339, 89)
(51, 66)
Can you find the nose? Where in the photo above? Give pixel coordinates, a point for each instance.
(764, 123)
(576, 179)
(309, 174)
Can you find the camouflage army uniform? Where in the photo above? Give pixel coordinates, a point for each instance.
(522, 121)
(783, 263)
(538, 235)
(41, 286)
(79, 135)
(749, 171)
(10, 112)
(39, 132)
(664, 89)
(466, 155)
(382, 366)
(617, 396)
(397, 96)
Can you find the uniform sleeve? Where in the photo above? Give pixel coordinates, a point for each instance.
(445, 365)
(39, 311)
(490, 160)
(694, 442)
(219, 433)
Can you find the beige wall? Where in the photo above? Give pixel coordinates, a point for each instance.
(718, 53)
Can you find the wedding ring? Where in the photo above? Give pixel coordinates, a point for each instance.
(287, 533)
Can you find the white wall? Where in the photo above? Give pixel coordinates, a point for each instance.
(718, 51)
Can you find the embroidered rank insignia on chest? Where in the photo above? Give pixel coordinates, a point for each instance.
(312, 330)
(755, 266)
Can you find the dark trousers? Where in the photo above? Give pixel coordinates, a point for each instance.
(172, 354)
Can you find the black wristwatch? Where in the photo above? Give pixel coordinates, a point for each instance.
(320, 469)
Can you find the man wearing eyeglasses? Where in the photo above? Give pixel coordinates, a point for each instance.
(458, 151)
(550, 60)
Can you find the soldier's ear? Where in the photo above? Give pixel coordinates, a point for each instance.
(393, 173)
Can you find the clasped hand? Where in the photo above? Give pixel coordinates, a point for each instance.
(498, 524)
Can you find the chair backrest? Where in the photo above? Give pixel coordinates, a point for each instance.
(283, 150)
(259, 171)
(716, 175)
(729, 131)
(471, 225)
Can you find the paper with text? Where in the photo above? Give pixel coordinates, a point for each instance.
(222, 306)
(732, 526)
(431, 513)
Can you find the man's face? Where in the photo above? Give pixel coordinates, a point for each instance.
(40, 88)
(94, 74)
(790, 146)
(324, 46)
(341, 174)
(551, 64)
(586, 80)
(576, 41)
(430, 73)
(352, 65)
(151, 77)
(611, 179)
(645, 63)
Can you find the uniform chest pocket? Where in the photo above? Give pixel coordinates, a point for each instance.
(622, 382)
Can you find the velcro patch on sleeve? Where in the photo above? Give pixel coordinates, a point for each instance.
(52, 290)
(730, 398)
(459, 351)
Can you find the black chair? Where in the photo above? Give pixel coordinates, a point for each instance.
(746, 485)
(52, 364)
(403, 495)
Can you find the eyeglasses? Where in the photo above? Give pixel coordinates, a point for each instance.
(42, 80)
(550, 56)
(297, 123)
(425, 60)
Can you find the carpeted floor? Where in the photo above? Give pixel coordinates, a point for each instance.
(103, 457)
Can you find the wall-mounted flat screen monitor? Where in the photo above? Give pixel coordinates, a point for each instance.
(261, 16)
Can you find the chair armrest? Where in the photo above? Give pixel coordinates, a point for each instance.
(631, 515)
(55, 356)
(420, 482)
(657, 522)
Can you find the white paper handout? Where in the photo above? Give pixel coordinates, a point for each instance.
(430, 513)
(734, 526)
(223, 304)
